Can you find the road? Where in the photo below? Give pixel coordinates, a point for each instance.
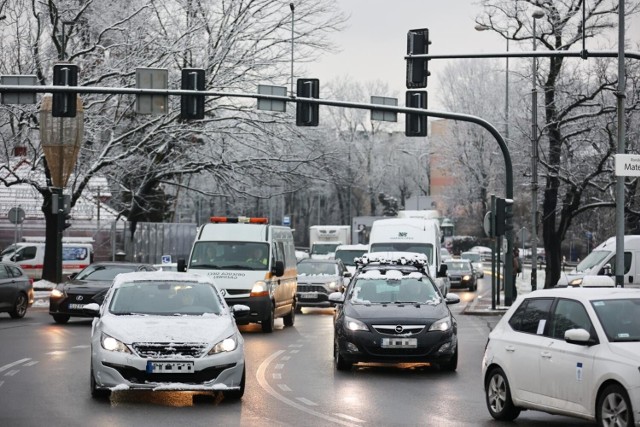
(291, 381)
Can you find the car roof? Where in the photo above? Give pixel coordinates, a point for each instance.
(159, 276)
(586, 294)
(319, 261)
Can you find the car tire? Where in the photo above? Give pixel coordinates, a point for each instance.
(614, 407)
(61, 318)
(498, 396)
(98, 393)
(19, 307)
(290, 318)
(452, 364)
(236, 394)
(269, 322)
(340, 362)
(298, 309)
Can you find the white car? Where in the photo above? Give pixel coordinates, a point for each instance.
(166, 331)
(570, 351)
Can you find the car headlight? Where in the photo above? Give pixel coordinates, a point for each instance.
(576, 282)
(467, 277)
(111, 344)
(333, 285)
(441, 325)
(227, 344)
(57, 293)
(260, 289)
(354, 324)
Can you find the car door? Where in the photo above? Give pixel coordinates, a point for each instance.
(520, 348)
(7, 289)
(566, 369)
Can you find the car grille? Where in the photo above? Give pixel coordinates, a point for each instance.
(311, 288)
(406, 329)
(140, 377)
(169, 350)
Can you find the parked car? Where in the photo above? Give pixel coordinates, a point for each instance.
(68, 299)
(166, 331)
(392, 312)
(317, 278)
(476, 260)
(16, 290)
(569, 351)
(461, 274)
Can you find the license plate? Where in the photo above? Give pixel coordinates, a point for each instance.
(154, 367)
(76, 306)
(399, 343)
(309, 295)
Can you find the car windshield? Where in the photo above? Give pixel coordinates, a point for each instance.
(393, 287)
(219, 255)
(421, 248)
(169, 298)
(348, 256)
(324, 248)
(593, 259)
(103, 272)
(458, 265)
(471, 256)
(620, 318)
(317, 268)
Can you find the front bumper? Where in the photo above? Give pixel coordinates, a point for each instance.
(260, 307)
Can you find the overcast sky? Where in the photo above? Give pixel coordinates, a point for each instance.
(374, 43)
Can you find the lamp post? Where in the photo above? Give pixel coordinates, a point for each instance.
(534, 160)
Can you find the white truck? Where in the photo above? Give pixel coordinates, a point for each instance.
(417, 235)
(602, 262)
(324, 239)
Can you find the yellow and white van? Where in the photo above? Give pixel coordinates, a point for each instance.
(253, 263)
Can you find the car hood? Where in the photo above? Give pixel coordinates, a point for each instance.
(393, 313)
(628, 350)
(206, 328)
(87, 285)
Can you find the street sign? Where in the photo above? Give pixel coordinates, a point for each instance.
(269, 104)
(286, 220)
(16, 215)
(627, 165)
(166, 259)
(18, 97)
(385, 116)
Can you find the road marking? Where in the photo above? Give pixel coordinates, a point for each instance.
(11, 365)
(11, 372)
(277, 376)
(279, 366)
(296, 345)
(81, 346)
(285, 358)
(349, 417)
(1, 382)
(33, 362)
(306, 401)
(260, 375)
(295, 351)
(284, 387)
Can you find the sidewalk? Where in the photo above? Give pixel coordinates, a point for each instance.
(481, 304)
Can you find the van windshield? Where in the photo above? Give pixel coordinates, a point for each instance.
(592, 260)
(324, 248)
(348, 256)
(421, 248)
(218, 255)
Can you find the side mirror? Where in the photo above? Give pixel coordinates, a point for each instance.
(182, 265)
(442, 271)
(336, 297)
(72, 276)
(240, 310)
(579, 337)
(346, 274)
(278, 269)
(92, 309)
(606, 270)
(451, 299)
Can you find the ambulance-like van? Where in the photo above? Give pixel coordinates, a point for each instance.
(252, 262)
(30, 257)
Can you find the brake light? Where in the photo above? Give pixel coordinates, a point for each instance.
(240, 220)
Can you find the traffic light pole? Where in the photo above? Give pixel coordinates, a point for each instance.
(58, 194)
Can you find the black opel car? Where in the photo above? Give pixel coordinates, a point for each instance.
(393, 312)
(89, 285)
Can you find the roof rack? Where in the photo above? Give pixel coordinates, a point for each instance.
(393, 258)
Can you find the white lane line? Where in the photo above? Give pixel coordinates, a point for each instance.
(306, 401)
(261, 377)
(55, 352)
(81, 346)
(295, 351)
(33, 362)
(11, 365)
(11, 372)
(277, 376)
(285, 358)
(284, 387)
(1, 382)
(279, 366)
(349, 417)
(296, 345)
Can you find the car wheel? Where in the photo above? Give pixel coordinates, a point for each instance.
(298, 309)
(236, 394)
(614, 407)
(471, 287)
(340, 362)
(98, 393)
(20, 307)
(269, 322)
(452, 364)
(498, 396)
(61, 318)
(290, 318)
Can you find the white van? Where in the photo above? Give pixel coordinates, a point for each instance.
(602, 261)
(253, 263)
(30, 257)
(411, 235)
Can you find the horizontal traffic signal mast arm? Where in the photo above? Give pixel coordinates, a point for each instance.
(538, 54)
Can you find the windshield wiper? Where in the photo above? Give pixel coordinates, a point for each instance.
(209, 266)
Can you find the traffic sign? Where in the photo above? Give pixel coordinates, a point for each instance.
(166, 259)
(16, 215)
(627, 165)
(286, 220)
(487, 224)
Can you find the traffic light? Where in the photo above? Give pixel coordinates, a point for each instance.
(416, 124)
(508, 215)
(417, 68)
(306, 113)
(499, 227)
(192, 106)
(64, 104)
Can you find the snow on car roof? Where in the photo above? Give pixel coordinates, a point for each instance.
(389, 274)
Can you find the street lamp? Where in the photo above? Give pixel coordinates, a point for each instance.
(481, 27)
(534, 159)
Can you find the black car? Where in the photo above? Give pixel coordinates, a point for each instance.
(317, 278)
(16, 290)
(88, 286)
(394, 313)
(462, 274)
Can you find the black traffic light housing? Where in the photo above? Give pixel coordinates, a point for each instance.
(416, 124)
(64, 104)
(192, 106)
(307, 113)
(499, 216)
(417, 68)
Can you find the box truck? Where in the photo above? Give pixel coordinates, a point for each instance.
(324, 239)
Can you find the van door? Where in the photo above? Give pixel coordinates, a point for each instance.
(27, 257)
(630, 275)
(279, 283)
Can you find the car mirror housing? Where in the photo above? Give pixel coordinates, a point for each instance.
(578, 336)
(336, 297)
(240, 310)
(92, 309)
(278, 269)
(442, 271)
(452, 299)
